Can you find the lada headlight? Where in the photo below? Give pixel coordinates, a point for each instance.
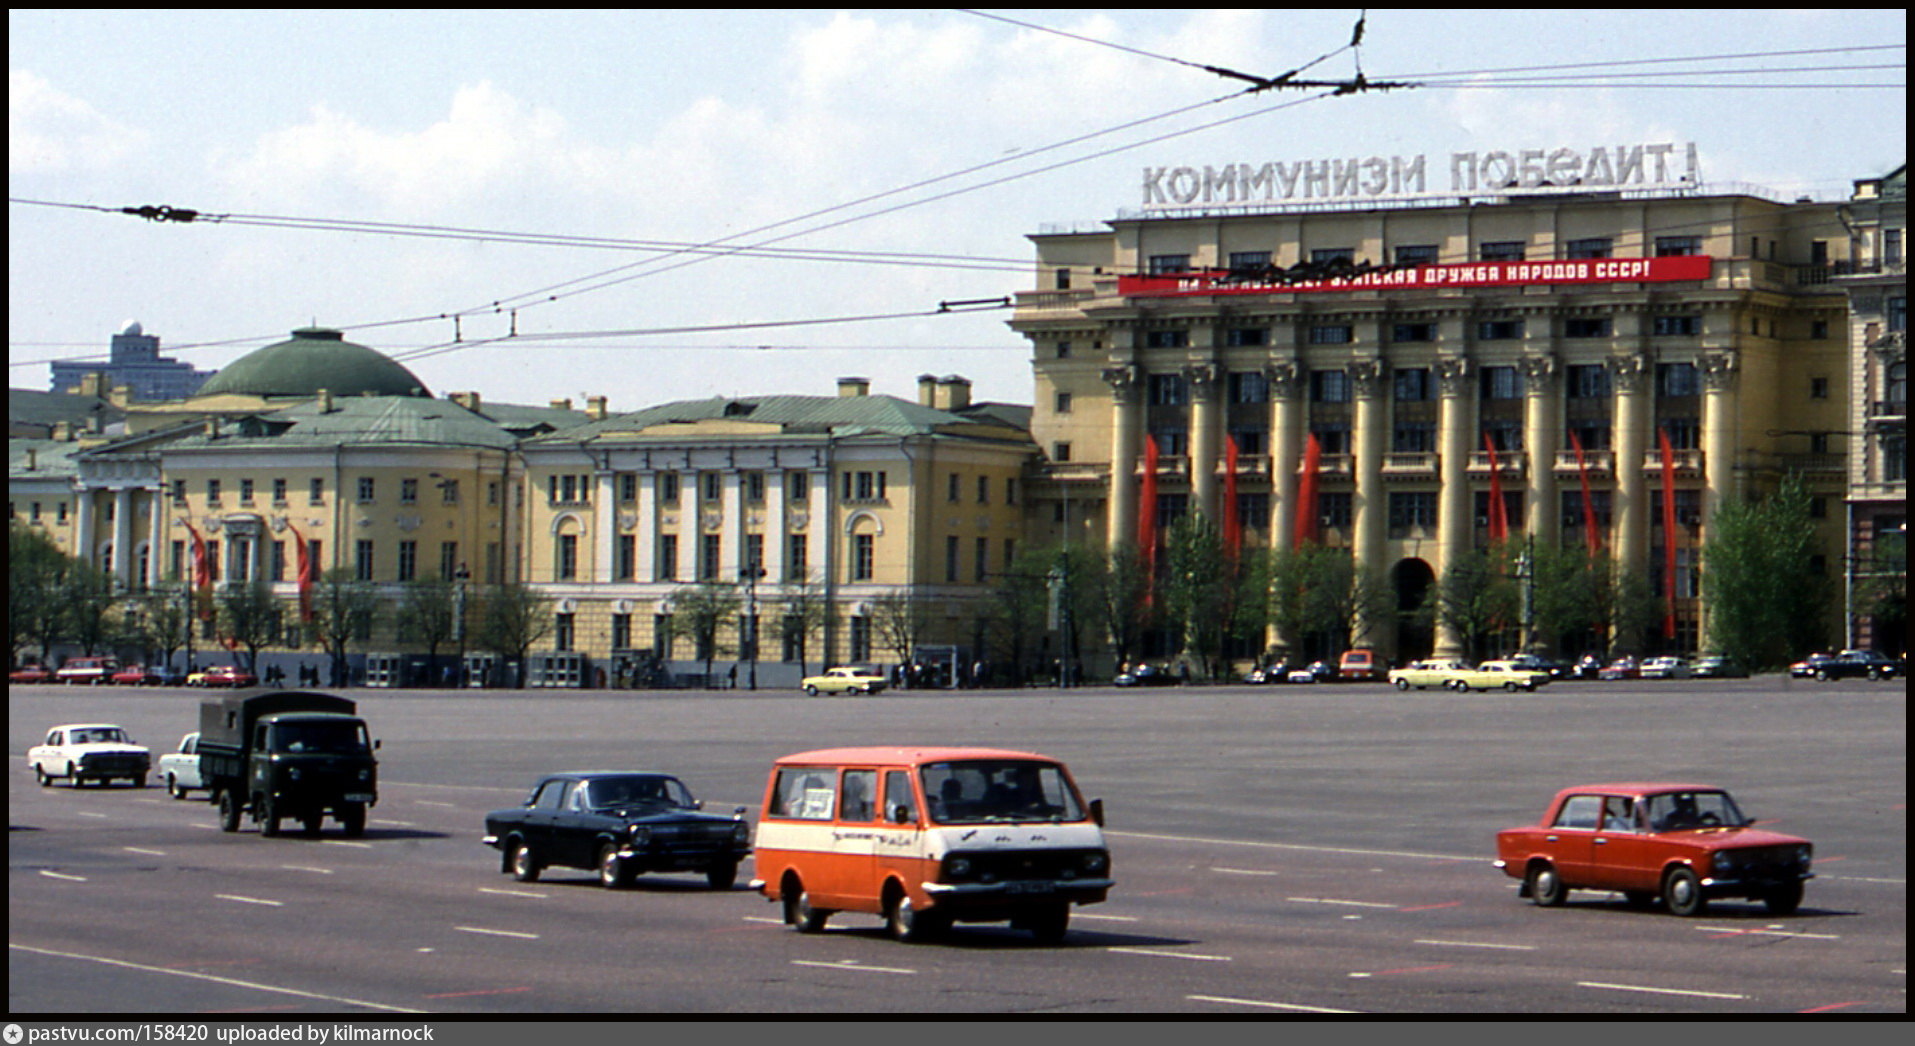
(1803, 855)
(741, 833)
(1096, 862)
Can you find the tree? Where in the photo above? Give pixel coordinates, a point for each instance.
(35, 570)
(1018, 607)
(428, 615)
(1319, 591)
(512, 619)
(806, 610)
(249, 617)
(1766, 601)
(344, 609)
(1114, 591)
(1478, 599)
(1197, 589)
(900, 621)
(86, 605)
(702, 609)
(164, 622)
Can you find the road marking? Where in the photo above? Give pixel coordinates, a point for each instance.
(249, 900)
(766, 919)
(1259, 844)
(852, 965)
(341, 842)
(123, 964)
(1106, 918)
(1773, 931)
(482, 991)
(1831, 1006)
(89, 813)
(63, 876)
(1432, 907)
(512, 893)
(1480, 944)
(1400, 969)
(1243, 871)
(1170, 955)
(1659, 991)
(1332, 900)
(1265, 1004)
(305, 868)
(434, 802)
(144, 850)
(498, 933)
(396, 824)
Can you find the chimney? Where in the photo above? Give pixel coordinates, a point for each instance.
(468, 400)
(595, 408)
(325, 401)
(854, 387)
(93, 384)
(564, 404)
(927, 390)
(62, 431)
(954, 393)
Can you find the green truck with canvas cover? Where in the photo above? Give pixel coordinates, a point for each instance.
(287, 754)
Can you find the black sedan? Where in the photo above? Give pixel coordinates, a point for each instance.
(620, 823)
(1855, 664)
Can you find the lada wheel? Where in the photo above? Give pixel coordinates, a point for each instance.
(173, 788)
(722, 876)
(522, 862)
(40, 776)
(1783, 900)
(1546, 887)
(811, 691)
(1682, 892)
(613, 872)
(1402, 684)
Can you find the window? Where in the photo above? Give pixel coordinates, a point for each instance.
(212, 492)
(1063, 350)
(1250, 439)
(245, 491)
(666, 568)
(409, 491)
(1167, 390)
(1061, 451)
(1678, 379)
(279, 490)
(1416, 254)
(1411, 333)
(1675, 246)
(566, 567)
(984, 490)
(951, 483)
(1499, 330)
(1167, 264)
(754, 486)
(1331, 334)
(1501, 383)
(860, 639)
(754, 564)
(1247, 386)
(1413, 508)
(1412, 385)
(362, 560)
(1334, 508)
(863, 557)
(1177, 339)
(1676, 326)
(1327, 255)
(449, 560)
(710, 548)
(1061, 403)
(1586, 327)
(628, 486)
(711, 486)
(1587, 381)
(1594, 247)
(449, 492)
(1500, 250)
(797, 486)
(951, 557)
(367, 489)
(668, 486)
(621, 631)
(1240, 337)
(408, 560)
(563, 632)
(1413, 437)
(864, 486)
(797, 555)
(1241, 261)
(859, 799)
(1818, 388)
(983, 558)
(1329, 386)
(1062, 279)
(1172, 440)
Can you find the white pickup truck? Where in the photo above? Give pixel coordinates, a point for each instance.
(83, 752)
(180, 769)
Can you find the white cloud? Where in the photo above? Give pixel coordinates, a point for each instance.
(50, 130)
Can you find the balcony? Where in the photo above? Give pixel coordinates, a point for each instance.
(1513, 463)
(1596, 462)
(1412, 464)
(1689, 461)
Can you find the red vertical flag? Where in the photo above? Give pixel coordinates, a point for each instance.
(1306, 528)
(1668, 534)
(202, 575)
(1498, 508)
(1147, 504)
(1232, 525)
(305, 574)
(1589, 506)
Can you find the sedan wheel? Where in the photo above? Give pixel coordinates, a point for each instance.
(173, 788)
(1682, 893)
(1546, 887)
(613, 872)
(1783, 900)
(722, 876)
(524, 863)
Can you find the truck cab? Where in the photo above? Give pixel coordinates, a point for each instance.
(288, 754)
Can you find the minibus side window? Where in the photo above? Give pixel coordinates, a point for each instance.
(804, 793)
(860, 796)
(900, 803)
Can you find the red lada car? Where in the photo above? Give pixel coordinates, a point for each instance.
(1684, 843)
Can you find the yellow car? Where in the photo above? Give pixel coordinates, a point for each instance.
(1438, 672)
(1501, 675)
(844, 680)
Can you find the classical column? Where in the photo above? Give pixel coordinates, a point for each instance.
(1719, 371)
(1454, 522)
(1286, 448)
(691, 525)
(123, 538)
(1126, 443)
(646, 538)
(605, 528)
(773, 527)
(156, 537)
(1372, 502)
(1205, 381)
(1542, 435)
(1634, 398)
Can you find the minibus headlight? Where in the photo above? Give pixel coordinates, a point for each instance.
(959, 867)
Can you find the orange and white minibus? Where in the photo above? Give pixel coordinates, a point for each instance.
(925, 837)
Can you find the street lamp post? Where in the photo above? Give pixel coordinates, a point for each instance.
(750, 575)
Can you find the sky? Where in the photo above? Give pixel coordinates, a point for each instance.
(948, 133)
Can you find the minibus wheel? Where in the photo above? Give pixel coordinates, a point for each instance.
(798, 910)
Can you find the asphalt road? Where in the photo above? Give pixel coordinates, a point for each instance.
(1282, 849)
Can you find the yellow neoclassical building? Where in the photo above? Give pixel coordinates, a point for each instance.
(1403, 347)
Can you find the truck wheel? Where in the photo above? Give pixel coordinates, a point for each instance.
(228, 811)
(310, 823)
(267, 815)
(1682, 892)
(722, 875)
(352, 817)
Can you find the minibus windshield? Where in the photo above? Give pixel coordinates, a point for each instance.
(999, 790)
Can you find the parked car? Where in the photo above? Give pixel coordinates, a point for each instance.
(1715, 666)
(1665, 668)
(621, 823)
(1538, 663)
(1805, 668)
(1589, 666)
(135, 675)
(222, 676)
(1147, 675)
(1360, 665)
(83, 752)
(1499, 675)
(1621, 668)
(180, 769)
(1314, 672)
(1685, 843)
(1857, 664)
(30, 673)
(87, 671)
(1437, 672)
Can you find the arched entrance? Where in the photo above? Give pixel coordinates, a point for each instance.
(1412, 580)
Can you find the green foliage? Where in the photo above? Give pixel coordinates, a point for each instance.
(1766, 602)
(1479, 599)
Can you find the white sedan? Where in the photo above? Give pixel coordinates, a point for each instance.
(179, 770)
(89, 752)
(1665, 668)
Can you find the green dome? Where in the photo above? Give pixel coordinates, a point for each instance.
(314, 359)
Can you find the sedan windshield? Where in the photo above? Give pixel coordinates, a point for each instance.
(1678, 811)
(608, 793)
(978, 791)
(101, 735)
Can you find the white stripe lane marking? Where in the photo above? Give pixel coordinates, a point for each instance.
(144, 850)
(1265, 1004)
(89, 813)
(498, 933)
(250, 900)
(853, 966)
(512, 893)
(1332, 900)
(1106, 918)
(1659, 991)
(339, 842)
(63, 876)
(304, 868)
(396, 824)
(255, 986)
(1258, 844)
(769, 919)
(1773, 931)
(1170, 955)
(434, 802)
(1242, 871)
(1481, 944)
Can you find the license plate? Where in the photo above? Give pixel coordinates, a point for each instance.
(358, 798)
(1029, 887)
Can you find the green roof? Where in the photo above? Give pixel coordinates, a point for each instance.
(314, 359)
(357, 420)
(838, 416)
